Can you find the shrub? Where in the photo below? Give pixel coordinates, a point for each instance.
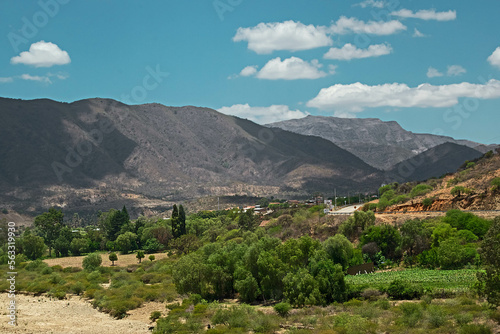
(420, 190)
(463, 318)
(92, 261)
(427, 202)
(412, 313)
(155, 315)
(402, 290)
(474, 329)
(282, 309)
(151, 258)
(371, 294)
(78, 288)
(437, 317)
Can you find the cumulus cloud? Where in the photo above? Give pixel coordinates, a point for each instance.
(5, 80)
(29, 77)
(371, 3)
(426, 14)
(432, 73)
(291, 69)
(357, 97)
(346, 25)
(417, 33)
(289, 35)
(42, 54)
(494, 59)
(263, 115)
(455, 70)
(248, 71)
(349, 51)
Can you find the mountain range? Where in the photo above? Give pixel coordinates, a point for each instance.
(380, 144)
(96, 154)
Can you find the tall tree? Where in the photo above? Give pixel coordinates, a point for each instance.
(490, 254)
(49, 225)
(182, 220)
(176, 231)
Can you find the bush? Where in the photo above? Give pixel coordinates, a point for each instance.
(474, 329)
(420, 190)
(437, 317)
(403, 290)
(282, 309)
(78, 288)
(463, 318)
(92, 261)
(427, 202)
(412, 313)
(155, 315)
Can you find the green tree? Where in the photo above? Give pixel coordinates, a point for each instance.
(247, 220)
(126, 242)
(33, 246)
(151, 258)
(415, 238)
(92, 261)
(140, 256)
(63, 241)
(339, 250)
(490, 255)
(79, 246)
(49, 225)
(182, 220)
(387, 238)
(176, 227)
(300, 289)
(113, 257)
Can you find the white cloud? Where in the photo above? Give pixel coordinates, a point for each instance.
(346, 25)
(357, 97)
(427, 14)
(494, 59)
(5, 80)
(248, 71)
(42, 54)
(35, 78)
(455, 70)
(371, 3)
(349, 51)
(417, 33)
(263, 115)
(432, 73)
(289, 35)
(291, 69)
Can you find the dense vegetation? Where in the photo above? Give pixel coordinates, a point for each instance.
(297, 259)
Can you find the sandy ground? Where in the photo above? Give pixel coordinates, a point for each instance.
(75, 315)
(123, 260)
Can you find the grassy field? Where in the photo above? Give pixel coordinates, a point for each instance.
(123, 260)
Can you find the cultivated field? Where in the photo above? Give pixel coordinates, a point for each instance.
(123, 260)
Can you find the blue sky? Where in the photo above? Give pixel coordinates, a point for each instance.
(432, 66)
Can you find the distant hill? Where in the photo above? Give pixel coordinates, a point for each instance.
(99, 153)
(435, 162)
(380, 144)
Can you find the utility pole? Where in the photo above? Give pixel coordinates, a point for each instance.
(348, 198)
(335, 205)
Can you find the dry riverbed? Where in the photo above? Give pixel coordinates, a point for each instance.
(74, 315)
